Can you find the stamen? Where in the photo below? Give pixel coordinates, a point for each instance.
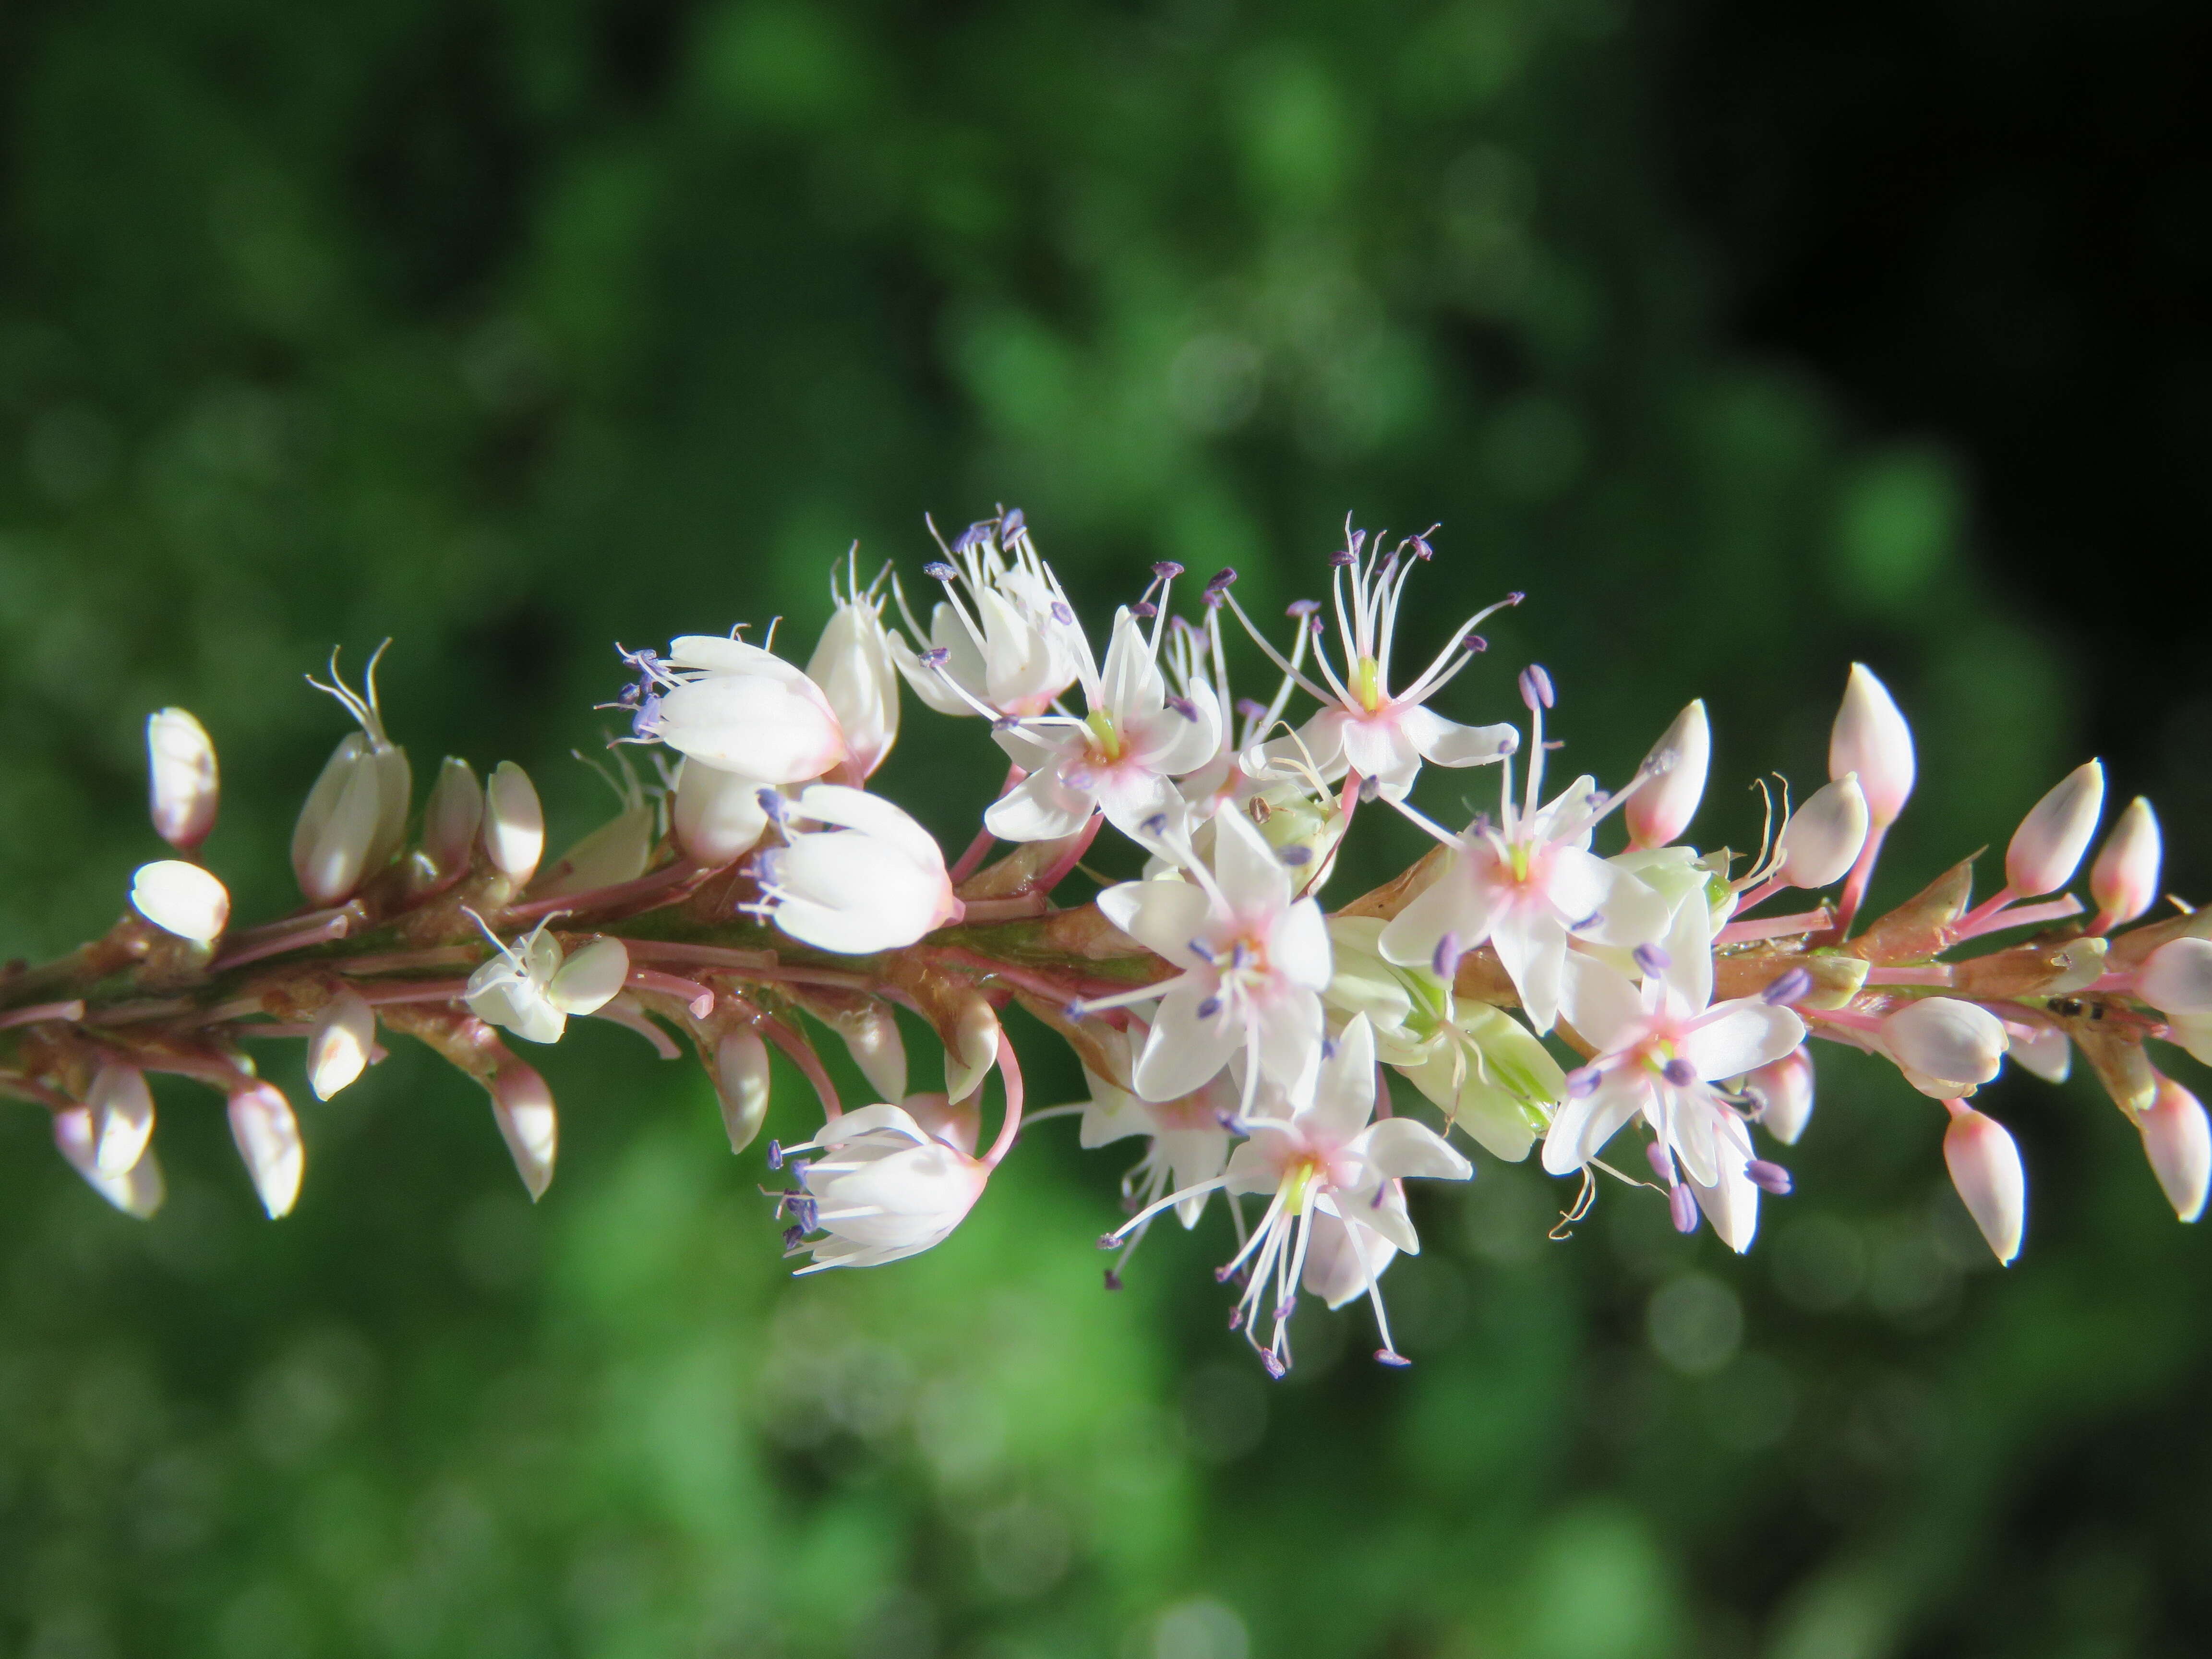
(1445, 962)
(775, 1155)
(1682, 1205)
(1298, 857)
(1390, 1356)
(1582, 1081)
(1167, 570)
(938, 570)
(1768, 1177)
(1790, 988)
(1679, 1072)
(1652, 959)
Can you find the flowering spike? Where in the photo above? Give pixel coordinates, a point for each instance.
(183, 786)
(1871, 739)
(2123, 881)
(2051, 840)
(182, 899)
(1661, 811)
(1985, 1168)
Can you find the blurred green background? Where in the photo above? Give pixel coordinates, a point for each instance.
(510, 330)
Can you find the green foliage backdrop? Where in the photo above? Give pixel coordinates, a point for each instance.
(512, 329)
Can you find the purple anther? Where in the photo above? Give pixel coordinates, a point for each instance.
(1382, 1192)
(1768, 1177)
(1209, 1008)
(1356, 540)
(1792, 986)
(1661, 1160)
(1328, 1047)
(795, 1238)
(775, 1155)
(1155, 825)
(1419, 543)
(1223, 578)
(1343, 556)
(1284, 1309)
(1074, 1012)
(1582, 1081)
(1167, 570)
(1515, 598)
(1239, 956)
(646, 720)
(1298, 857)
(1143, 611)
(1247, 709)
(1215, 597)
(1370, 788)
(1184, 706)
(1445, 962)
(937, 656)
(1276, 1368)
(1535, 687)
(976, 535)
(771, 803)
(807, 1213)
(1110, 1240)
(1475, 645)
(1063, 613)
(1236, 1316)
(1313, 626)
(1391, 1357)
(1112, 1279)
(1302, 607)
(938, 571)
(1652, 959)
(1011, 522)
(1221, 1277)
(1679, 1072)
(1587, 922)
(1202, 952)
(1682, 1205)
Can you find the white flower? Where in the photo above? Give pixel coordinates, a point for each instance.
(2177, 1140)
(1364, 726)
(1945, 1048)
(182, 785)
(1004, 641)
(356, 815)
(181, 898)
(529, 989)
(718, 816)
(1186, 1140)
(874, 880)
(854, 665)
(1319, 1156)
(736, 706)
(122, 1108)
(1120, 758)
(1259, 961)
(882, 1188)
(1529, 883)
(1661, 1047)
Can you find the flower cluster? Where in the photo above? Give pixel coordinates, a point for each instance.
(1642, 1013)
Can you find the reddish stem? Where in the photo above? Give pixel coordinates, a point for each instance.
(1804, 921)
(71, 1010)
(1010, 1074)
(1855, 884)
(694, 996)
(978, 849)
(620, 896)
(336, 926)
(800, 1052)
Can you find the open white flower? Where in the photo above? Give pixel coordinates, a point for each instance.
(854, 665)
(1259, 960)
(872, 880)
(1186, 1140)
(1004, 641)
(736, 708)
(883, 1187)
(531, 989)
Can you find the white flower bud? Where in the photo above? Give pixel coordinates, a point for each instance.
(513, 824)
(2124, 878)
(741, 1079)
(2177, 980)
(339, 1049)
(882, 1188)
(2177, 1140)
(522, 1105)
(452, 818)
(1985, 1168)
(137, 1192)
(1949, 1044)
(122, 1108)
(875, 880)
(1785, 1087)
(853, 665)
(183, 787)
(338, 826)
(618, 851)
(2056, 832)
(718, 817)
(395, 788)
(1871, 739)
(182, 899)
(761, 725)
(588, 981)
(975, 1049)
(1822, 840)
(1662, 808)
(2048, 1054)
(872, 1036)
(268, 1137)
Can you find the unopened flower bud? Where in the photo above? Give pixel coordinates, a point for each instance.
(122, 1109)
(854, 667)
(1941, 1041)
(1784, 1089)
(718, 817)
(339, 1049)
(2049, 1054)
(1662, 806)
(182, 785)
(975, 1049)
(2177, 980)
(338, 825)
(452, 818)
(741, 1080)
(268, 1137)
(2051, 838)
(182, 899)
(618, 851)
(522, 1105)
(1823, 837)
(138, 1191)
(513, 824)
(2124, 878)
(873, 880)
(1871, 739)
(589, 979)
(2177, 1140)
(1985, 1168)
(871, 1035)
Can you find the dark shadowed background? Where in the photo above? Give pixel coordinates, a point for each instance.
(1748, 340)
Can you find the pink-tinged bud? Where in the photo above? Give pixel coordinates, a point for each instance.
(587, 981)
(1785, 1087)
(2177, 980)
(1822, 840)
(872, 1036)
(2051, 840)
(741, 1079)
(1985, 1168)
(853, 666)
(2124, 878)
(339, 1048)
(452, 818)
(1946, 1047)
(513, 824)
(1871, 739)
(872, 880)
(975, 1049)
(718, 816)
(338, 825)
(136, 1191)
(523, 1106)
(183, 789)
(2048, 1054)
(1662, 808)
(2177, 1140)
(182, 899)
(122, 1108)
(763, 726)
(268, 1137)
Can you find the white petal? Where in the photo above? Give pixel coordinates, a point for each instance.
(1450, 743)
(181, 898)
(1741, 1037)
(1399, 1147)
(1182, 1051)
